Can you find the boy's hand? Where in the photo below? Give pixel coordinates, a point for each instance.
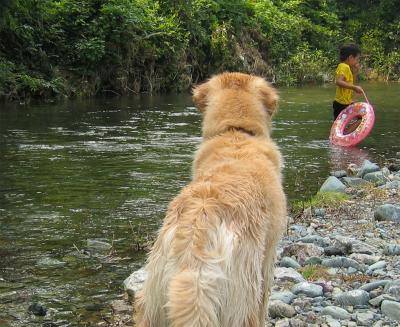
(358, 89)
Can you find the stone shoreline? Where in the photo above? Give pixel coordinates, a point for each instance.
(337, 266)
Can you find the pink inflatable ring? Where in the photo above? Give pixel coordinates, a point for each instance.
(361, 111)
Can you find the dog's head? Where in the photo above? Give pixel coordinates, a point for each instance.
(236, 100)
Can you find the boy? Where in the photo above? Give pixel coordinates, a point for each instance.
(349, 57)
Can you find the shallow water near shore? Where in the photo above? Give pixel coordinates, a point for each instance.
(107, 168)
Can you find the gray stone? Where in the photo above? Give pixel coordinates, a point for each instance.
(377, 265)
(373, 285)
(388, 212)
(392, 249)
(365, 318)
(332, 323)
(356, 246)
(367, 167)
(333, 184)
(315, 239)
(319, 212)
(283, 274)
(313, 261)
(377, 178)
(364, 258)
(302, 251)
(354, 181)
(337, 249)
(354, 297)
(289, 263)
(283, 323)
(393, 185)
(393, 288)
(284, 296)
(341, 262)
(339, 173)
(376, 302)
(379, 323)
(391, 309)
(335, 313)
(279, 309)
(134, 282)
(310, 290)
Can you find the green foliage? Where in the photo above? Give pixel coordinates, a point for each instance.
(84, 47)
(322, 199)
(305, 65)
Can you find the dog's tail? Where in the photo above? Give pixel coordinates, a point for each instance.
(193, 300)
(197, 294)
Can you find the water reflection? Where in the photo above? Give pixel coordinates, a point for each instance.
(341, 157)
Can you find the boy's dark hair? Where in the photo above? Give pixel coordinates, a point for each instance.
(348, 50)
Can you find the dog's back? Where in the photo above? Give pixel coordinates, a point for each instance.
(212, 263)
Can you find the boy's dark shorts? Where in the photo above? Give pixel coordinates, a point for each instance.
(337, 108)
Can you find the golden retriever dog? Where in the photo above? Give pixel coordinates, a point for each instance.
(212, 264)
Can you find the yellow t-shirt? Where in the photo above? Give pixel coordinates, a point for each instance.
(344, 96)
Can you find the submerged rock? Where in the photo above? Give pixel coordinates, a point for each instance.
(50, 262)
(98, 245)
(37, 309)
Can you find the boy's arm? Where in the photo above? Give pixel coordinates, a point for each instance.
(341, 82)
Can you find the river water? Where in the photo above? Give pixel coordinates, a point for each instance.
(106, 169)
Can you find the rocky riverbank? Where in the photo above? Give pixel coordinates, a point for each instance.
(339, 263)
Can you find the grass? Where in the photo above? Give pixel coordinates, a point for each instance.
(315, 272)
(320, 200)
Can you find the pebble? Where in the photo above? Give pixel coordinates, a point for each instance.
(393, 289)
(391, 309)
(373, 285)
(377, 265)
(392, 249)
(310, 290)
(335, 312)
(279, 309)
(365, 318)
(285, 296)
(289, 263)
(341, 262)
(354, 297)
(283, 274)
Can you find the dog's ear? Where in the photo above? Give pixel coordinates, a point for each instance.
(268, 96)
(200, 96)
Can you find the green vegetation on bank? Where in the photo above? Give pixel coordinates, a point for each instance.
(56, 48)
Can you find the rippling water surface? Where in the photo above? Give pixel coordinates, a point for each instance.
(106, 170)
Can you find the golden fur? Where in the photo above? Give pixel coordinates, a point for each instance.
(213, 261)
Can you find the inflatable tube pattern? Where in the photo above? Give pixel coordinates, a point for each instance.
(358, 110)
